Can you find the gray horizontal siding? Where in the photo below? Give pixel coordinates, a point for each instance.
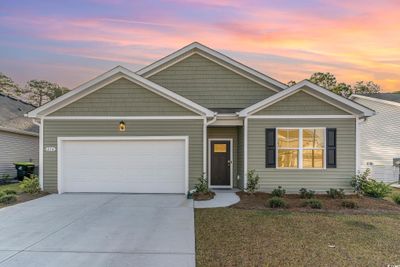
(191, 128)
(301, 103)
(122, 98)
(17, 147)
(293, 180)
(210, 84)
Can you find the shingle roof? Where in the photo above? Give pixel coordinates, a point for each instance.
(395, 97)
(12, 112)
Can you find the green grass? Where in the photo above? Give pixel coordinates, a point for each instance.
(394, 191)
(12, 187)
(237, 237)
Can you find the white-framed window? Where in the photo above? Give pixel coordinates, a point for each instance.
(300, 148)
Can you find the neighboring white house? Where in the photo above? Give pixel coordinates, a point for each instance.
(380, 135)
(19, 139)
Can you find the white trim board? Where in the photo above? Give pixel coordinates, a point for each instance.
(204, 51)
(209, 162)
(118, 72)
(383, 101)
(297, 87)
(123, 118)
(302, 117)
(123, 138)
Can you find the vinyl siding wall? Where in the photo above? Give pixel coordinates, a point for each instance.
(293, 180)
(65, 128)
(210, 84)
(380, 140)
(17, 147)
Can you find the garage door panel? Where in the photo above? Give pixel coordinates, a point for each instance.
(131, 166)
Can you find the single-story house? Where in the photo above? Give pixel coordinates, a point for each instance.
(19, 136)
(380, 136)
(196, 111)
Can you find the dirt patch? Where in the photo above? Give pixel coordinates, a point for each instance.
(365, 205)
(24, 197)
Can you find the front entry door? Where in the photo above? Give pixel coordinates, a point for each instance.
(220, 161)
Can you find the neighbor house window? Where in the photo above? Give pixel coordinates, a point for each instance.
(302, 148)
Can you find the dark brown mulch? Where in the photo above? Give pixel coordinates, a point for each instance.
(365, 205)
(24, 197)
(203, 196)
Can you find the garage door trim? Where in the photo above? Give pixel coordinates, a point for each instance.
(60, 141)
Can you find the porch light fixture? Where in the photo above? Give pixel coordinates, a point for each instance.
(122, 126)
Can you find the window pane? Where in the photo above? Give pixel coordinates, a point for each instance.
(313, 138)
(288, 138)
(313, 158)
(219, 148)
(287, 158)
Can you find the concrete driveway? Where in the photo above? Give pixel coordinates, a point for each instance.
(98, 230)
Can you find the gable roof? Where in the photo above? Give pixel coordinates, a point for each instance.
(12, 118)
(221, 59)
(118, 72)
(301, 85)
(385, 98)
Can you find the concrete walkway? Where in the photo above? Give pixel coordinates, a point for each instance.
(223, 198)
(98, 230)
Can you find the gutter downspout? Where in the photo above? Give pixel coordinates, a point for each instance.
(40, 151)
(205, 125)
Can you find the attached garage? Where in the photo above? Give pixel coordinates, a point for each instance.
(123, 164)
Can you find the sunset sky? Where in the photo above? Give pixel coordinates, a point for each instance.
(70, 42)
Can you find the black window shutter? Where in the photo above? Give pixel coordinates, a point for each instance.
(331, 148)
(270, 148)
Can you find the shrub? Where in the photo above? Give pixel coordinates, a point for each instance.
(396, 198)
(335, 193)
(2, 193)
(30, 185)
(7, 199)
(304, 193)
(362, 184)
(349, 204)
(312, 203)
(277, 202)
(252, 181)
(278, 192)
(202, 185)
(10, 192)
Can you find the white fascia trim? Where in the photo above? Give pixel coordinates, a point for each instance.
(123, 118)
(375, 99)
(286, 93)
(16, 131)
(41, 148)
(302, 116)
(215, 54)
(63, 100)
(60, 141)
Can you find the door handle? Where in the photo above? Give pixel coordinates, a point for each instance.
(230, 162)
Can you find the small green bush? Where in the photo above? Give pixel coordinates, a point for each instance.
(7, 199)
(362, 184)
(278, 192)
(252, 181)
(202, 185)
(30, 185)
(396, 198)
(349, 204)
(2, 193)
(312, 203)
(277, 202)
(10, 192)
(304, 193)
(335, 193)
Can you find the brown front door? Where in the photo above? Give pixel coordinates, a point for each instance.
(220, 161)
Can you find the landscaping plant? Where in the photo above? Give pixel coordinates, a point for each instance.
(396, 198)
(362, 184)
(30, 185)
(7, 199)
(304, 193)
(252, 181)
(313, 203)
(10, 192)
(277, 202)
(278, 192)
(349, 204)
(335, 193)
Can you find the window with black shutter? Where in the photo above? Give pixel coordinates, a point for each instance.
(270, 148)
(331, 148)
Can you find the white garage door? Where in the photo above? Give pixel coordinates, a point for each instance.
(123, 166)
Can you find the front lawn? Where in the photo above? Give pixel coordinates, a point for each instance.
(240, 237)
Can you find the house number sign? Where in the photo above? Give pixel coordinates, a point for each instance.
(50, 148)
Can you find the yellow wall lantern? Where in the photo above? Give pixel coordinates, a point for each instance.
(122, 126)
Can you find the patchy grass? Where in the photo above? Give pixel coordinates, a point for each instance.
(21, 196)
(240, 237)
(394, 191)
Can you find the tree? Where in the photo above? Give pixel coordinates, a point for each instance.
(40, 92)
(8, 86)
(291, 83)
(324, 79)
(362, 87)
(342, 89)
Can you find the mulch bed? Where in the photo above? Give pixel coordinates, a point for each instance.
(24, 197)
(203, 196)
(366, 205)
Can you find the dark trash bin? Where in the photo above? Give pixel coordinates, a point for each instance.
(24, 169)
